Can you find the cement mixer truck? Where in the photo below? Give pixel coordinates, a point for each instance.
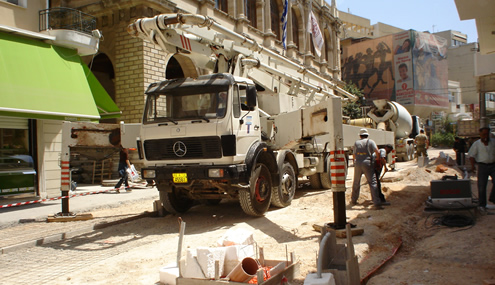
(392, 116)
(388, 122)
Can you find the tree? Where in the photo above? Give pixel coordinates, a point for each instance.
(353, 109)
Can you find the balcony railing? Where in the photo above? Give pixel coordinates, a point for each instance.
(66, 19)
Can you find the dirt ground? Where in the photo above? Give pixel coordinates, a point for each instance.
(426, 253)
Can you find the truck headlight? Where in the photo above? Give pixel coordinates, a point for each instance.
(148, 173)
(215, 172)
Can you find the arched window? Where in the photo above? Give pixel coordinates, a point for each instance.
(295, 29)
(103, 70)
(275, 16)
(222, 5)
(173, 69)
(251, 12)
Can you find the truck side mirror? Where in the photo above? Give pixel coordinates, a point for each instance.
(251, 96)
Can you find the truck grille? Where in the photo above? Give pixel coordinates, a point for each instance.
(185, 148)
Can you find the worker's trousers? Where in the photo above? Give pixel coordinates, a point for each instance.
(366, 168)
(485, 171)
(421, 151)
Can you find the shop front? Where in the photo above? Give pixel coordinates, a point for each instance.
(41, 85)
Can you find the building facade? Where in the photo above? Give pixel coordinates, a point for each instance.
(466, 65)
(43, 83)
(127, 65)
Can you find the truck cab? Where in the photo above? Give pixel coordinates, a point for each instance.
(202, 137)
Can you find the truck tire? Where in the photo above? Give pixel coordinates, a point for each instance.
(314, 181)
(256, 201)
(287, 187)
(326, 177)
(174, 202)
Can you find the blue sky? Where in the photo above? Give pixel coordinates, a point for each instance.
(420, 15)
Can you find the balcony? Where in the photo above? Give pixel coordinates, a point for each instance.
(71, 28)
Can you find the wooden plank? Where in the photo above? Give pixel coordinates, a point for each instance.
(78, 217)
(353, 271)
(350, 245)
(340, 233)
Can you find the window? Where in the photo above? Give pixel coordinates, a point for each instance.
(325, 48)
(451, 97)
(295, 29)
(22, 3)
(222, 5)
(236, 102)
(275, 17)
(14, 144)
(186, 104)
(251, 12)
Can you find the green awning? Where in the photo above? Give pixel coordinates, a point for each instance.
(106, 107)
(42, 81)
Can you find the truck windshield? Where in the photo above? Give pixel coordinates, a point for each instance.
(173, 107)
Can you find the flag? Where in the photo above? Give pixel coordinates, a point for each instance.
(284, 23)
(315, 31)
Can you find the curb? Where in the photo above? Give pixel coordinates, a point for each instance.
(66, 235)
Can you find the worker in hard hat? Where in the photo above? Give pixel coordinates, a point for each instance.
(364, 148)
(379, 165)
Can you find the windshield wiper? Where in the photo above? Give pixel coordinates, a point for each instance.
(170, 120)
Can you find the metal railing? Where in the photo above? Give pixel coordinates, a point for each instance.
(66, 19)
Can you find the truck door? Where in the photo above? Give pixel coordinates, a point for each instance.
(246, 123)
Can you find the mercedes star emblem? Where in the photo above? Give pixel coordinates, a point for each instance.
(180, 149)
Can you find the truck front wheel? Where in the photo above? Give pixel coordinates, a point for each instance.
(256, 201)
(173, 200)
(314, 181)
(287, 187)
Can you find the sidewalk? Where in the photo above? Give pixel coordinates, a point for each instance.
(25, 226)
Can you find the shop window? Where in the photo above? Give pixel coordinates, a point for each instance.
(14, 142)
(17, 173)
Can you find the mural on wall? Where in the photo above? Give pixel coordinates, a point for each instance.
(408, 67)
(429, 59)
(369, 65)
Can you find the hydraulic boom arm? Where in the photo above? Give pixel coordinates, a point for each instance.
(186, 33)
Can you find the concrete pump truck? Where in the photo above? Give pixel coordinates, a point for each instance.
(245, 131)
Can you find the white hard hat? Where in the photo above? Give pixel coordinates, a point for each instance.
(363, 132)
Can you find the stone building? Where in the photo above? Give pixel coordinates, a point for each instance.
(127, 65)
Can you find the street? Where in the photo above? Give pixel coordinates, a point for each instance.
(132, 252)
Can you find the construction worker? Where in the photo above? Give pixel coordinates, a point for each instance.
(364, 149)
(422, 144)
(382, 164)
(482, 152)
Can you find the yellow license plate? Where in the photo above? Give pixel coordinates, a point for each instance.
(180, 177)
